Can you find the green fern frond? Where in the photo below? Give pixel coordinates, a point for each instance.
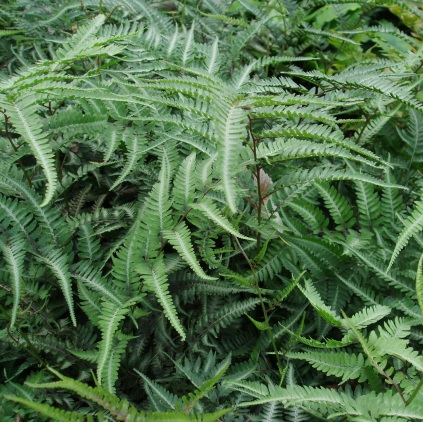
(50, 219)
(155, 278)
(365, 293)
(254, 389)
(319, 174)
(14, 254)
(184, 184)
(312, 215)
(295, 111)
(391, 201)
(313, 31)
(292, 148)
(85, 44)
(242, 38)
(91, 277)
(163, 396)
(108, 359)
(210, 210)
(368, 316)
(377, 267)
(15, 217)
(368, 202)
(412, 225)
(310, 292)
(88, 243)
(52, 412)
(190, 400)
(343, 365)
(180, 239)
(135, 144)
(373, 354)
(337, 205)
(156, 214)
(111, 367)
(419, 283)
(24, 117)
(413, 137)
(56, 260)
(226, 315)
(230, 133)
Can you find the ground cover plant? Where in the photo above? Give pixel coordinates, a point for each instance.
(211, 210)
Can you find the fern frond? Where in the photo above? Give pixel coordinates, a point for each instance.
(16, 215)
(180, 239)
(368, 316)
(378, 268)
(337, 205)
(111, 317)
(190, 400)
(14, 254)
(413, 137)
(88, 243)
(50, 411)
(184, 184)
(318, 174)
(368, 202)
(157, 213)
(91, 277)
(292, 148)
(222, 318)
(312, 215)
(113, 362)
(56, 260)
(419, 283)
(230, 133)
(163, 396)
(85, 44)
(24, 117)
(210, 210)
(155, 278)
(391, 201)
(310, 292)
(340, 364)
(50, 219)
(412, 225)
(135, 144)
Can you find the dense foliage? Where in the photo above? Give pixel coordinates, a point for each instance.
(211, 210)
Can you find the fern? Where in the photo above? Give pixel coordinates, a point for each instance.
(179, 239)
(412, 225)
(231, 174)
(156, 280)
(340, 364)
(56, 261)
(14, 255)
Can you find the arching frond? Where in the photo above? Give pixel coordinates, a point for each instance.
(14, 251)
(155, 278)
(412, 225)
(179, 238)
